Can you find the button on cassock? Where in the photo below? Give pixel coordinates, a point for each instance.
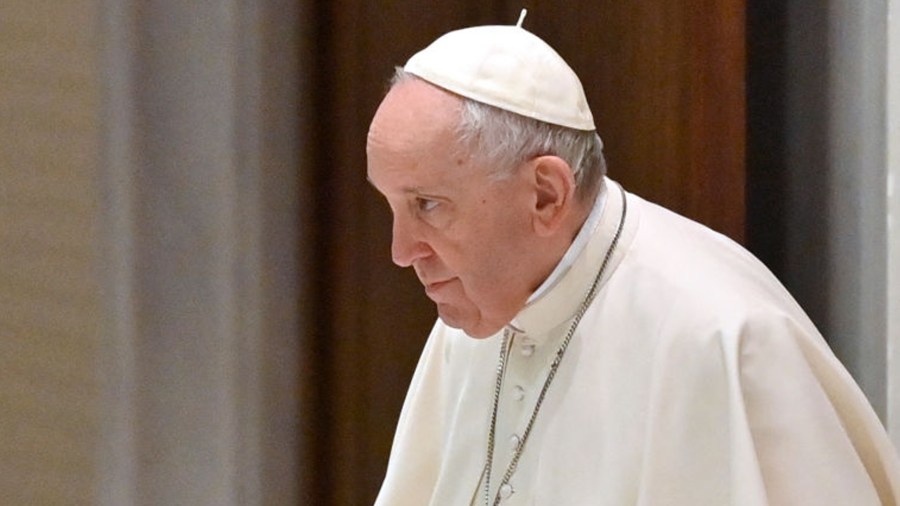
(518, 393)
(527, 350)
(506, 490)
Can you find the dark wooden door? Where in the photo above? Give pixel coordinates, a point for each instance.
(665, 80)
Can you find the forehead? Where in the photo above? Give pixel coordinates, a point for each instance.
(414, 113)
(413, 129)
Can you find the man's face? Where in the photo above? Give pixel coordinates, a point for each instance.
(466, 234)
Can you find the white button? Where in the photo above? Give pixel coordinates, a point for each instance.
(514, 441)
(518, 393)
(506, 490)
(527, 350)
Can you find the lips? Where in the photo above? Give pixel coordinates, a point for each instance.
(435, 287)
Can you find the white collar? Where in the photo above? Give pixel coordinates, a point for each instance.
(575, 249)
(559, 300)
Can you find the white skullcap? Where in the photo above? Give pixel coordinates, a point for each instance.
(506, 67)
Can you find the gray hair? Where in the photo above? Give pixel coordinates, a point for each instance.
(504, 140)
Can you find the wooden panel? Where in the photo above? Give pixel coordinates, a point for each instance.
(665, 81)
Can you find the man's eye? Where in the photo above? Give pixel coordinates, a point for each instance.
(426, 205)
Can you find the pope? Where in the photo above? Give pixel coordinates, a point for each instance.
(591, 347)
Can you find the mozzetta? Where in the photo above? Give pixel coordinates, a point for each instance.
(693, 379)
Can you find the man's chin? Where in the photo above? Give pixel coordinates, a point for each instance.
(473, 326)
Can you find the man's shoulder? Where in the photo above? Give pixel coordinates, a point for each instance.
(696, 283)
(689, 262)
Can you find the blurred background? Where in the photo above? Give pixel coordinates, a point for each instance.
(197, 304)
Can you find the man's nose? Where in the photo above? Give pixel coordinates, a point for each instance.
(406, 247)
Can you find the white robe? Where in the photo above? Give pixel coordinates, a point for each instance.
(693, 379)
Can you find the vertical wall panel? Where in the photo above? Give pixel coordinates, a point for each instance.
(892, 120)
(665, 81)
(201, 225)
(49, 297)
(820, 195)
(834, 200)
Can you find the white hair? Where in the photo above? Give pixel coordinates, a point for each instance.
(503, 140)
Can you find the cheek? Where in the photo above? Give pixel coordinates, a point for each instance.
(488, 244)
(509, 232)
(494, 261)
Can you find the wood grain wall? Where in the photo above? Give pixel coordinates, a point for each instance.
(665, 80)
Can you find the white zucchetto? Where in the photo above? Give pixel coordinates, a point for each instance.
(509, 68)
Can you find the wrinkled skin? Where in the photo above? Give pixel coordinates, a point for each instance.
(479, 245)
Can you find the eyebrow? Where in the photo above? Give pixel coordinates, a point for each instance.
(414, 190)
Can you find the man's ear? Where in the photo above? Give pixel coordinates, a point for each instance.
(554, 187)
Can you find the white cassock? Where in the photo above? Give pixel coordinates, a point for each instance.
(693, 379)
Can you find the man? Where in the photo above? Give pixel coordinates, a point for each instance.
(592, 347)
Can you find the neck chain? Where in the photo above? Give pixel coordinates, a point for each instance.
(560, 352)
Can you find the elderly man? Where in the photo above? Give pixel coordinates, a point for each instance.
(592, 347)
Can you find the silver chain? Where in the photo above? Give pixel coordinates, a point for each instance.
(501, 370)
